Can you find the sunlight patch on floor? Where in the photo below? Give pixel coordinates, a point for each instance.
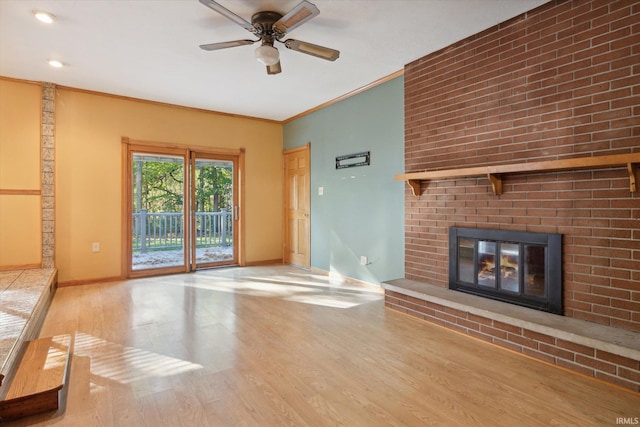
(302, 288)
(336, 301)
(126, 365)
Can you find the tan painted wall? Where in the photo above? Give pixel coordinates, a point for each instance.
(20, 214)
(89, 128)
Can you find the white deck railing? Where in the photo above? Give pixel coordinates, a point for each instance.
(165, 230)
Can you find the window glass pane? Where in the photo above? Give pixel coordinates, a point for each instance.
(158, 211)
(214, 211)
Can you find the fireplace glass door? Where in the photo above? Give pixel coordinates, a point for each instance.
(509, 272)
(534, 274)
(522, 268)
(466, 250)
(499, 272)
(487, 264)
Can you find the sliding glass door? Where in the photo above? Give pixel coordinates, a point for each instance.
(182, 210)
(214, 210)
(157, 218)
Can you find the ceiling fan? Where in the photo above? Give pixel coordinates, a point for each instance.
(271, 27)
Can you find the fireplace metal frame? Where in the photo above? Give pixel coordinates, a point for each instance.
(552, 300)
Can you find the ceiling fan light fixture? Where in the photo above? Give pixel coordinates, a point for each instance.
(267, 55)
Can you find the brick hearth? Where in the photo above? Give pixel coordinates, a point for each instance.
(598, 351)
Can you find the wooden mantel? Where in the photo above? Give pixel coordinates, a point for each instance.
(495, 172)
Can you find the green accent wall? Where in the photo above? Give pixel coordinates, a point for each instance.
(361, 212)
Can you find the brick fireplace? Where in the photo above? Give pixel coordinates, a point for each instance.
(561, 81)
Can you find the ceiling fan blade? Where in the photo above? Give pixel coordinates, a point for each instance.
(224, 45)
(274, 69)
(228, 14)
(313, 49)
(296, 17)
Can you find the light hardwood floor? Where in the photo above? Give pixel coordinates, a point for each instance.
(275, 346)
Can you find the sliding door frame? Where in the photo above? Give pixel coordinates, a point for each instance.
(183, 153)
(187, 152)
(235, 161)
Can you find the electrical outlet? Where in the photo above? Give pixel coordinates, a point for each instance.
(364, 260)
(95, 247)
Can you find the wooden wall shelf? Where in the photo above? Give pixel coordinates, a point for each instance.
(494, 173)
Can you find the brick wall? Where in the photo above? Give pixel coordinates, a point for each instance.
(561, 81)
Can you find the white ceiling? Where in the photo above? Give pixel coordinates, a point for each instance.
(148, 49)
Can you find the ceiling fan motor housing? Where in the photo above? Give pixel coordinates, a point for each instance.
(263, 22)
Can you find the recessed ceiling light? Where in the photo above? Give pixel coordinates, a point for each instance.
(55, 63)
(45, 17)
